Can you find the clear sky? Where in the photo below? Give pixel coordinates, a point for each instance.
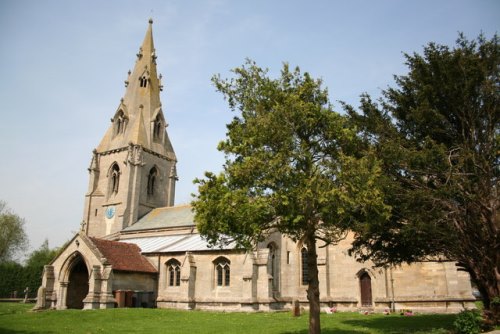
(63, 64)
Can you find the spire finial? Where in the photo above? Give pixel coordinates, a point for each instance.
(150, 20)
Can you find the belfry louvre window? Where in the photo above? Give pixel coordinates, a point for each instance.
(157, 127)
(305, 267)
(222, 271)
(174, 272)
(114, 181)
(152, 176)
(120, 123)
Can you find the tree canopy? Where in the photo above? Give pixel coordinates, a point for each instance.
(437, 134)
(293, 165)
(13, 238)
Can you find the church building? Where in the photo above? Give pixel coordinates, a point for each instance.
(136, 248)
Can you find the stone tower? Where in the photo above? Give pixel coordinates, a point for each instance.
(133, 170)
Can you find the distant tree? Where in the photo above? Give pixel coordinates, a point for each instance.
(12, 279)
(13, 238)
(292, 165)
(34, 265)
(438, 135)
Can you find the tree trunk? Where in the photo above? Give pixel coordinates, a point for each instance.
(313, 286)
(488, 284)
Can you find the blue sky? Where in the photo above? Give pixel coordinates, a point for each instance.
(63, 64)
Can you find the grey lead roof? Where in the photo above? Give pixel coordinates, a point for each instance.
(173, 243)
(159, 218)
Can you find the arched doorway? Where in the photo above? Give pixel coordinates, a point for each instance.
(365, 283)
(78, 284)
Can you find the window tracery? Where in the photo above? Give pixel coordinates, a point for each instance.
(174, 273)
(222, 271)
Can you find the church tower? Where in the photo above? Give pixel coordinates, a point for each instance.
(133, 170)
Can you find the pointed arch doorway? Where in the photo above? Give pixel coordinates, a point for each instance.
(365, 283)
(78, 284)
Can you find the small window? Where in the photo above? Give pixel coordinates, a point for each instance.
(273, 265)
(157, 128)
(152, 176)
(119, 123)
(143, 81)
(174, 273)
(305, 267)
(114, 181)
(222, 271)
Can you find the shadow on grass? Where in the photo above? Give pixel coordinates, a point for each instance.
(330, 331)
(428, 323)
(12, 331)
(393, 324)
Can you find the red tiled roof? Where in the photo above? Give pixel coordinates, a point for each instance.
(123, 256)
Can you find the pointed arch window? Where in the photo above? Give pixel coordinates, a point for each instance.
(120, 122)
(157, 128)
(152, 178)
(143, 81)
(222, 271)
(273, 265)
(305, 267)
(174, 273)
(114, 179)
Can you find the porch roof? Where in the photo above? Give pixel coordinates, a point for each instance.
(123, 256)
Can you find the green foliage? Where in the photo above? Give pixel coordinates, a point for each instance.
(13, 238)
(16, 277)
(468, 322)
(12, 279)
(16, 318)
(34, 265)
(292, 164)
(437, 134)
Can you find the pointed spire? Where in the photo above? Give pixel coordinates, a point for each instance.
(147, 48)
(139, 106)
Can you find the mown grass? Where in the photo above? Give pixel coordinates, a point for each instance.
(17, 319)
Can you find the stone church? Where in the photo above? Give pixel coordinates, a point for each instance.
(137, 249)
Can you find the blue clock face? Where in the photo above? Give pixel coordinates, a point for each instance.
(110, 212)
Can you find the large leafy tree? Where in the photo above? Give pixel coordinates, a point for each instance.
(438, 134)
(13, 238)
(293, 165)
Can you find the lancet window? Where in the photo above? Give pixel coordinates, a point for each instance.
(114, 179)
(157, 128)
(305, 267)
(152, 178)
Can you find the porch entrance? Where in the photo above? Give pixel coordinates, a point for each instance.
(78, 285)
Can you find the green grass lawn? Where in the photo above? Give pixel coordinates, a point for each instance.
(17, 318)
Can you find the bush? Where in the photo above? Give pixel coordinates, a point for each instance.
(468, 322)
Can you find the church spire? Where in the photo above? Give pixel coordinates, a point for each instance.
(141, 104)
(133, 168)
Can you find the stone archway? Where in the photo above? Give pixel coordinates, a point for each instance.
(78, 284)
